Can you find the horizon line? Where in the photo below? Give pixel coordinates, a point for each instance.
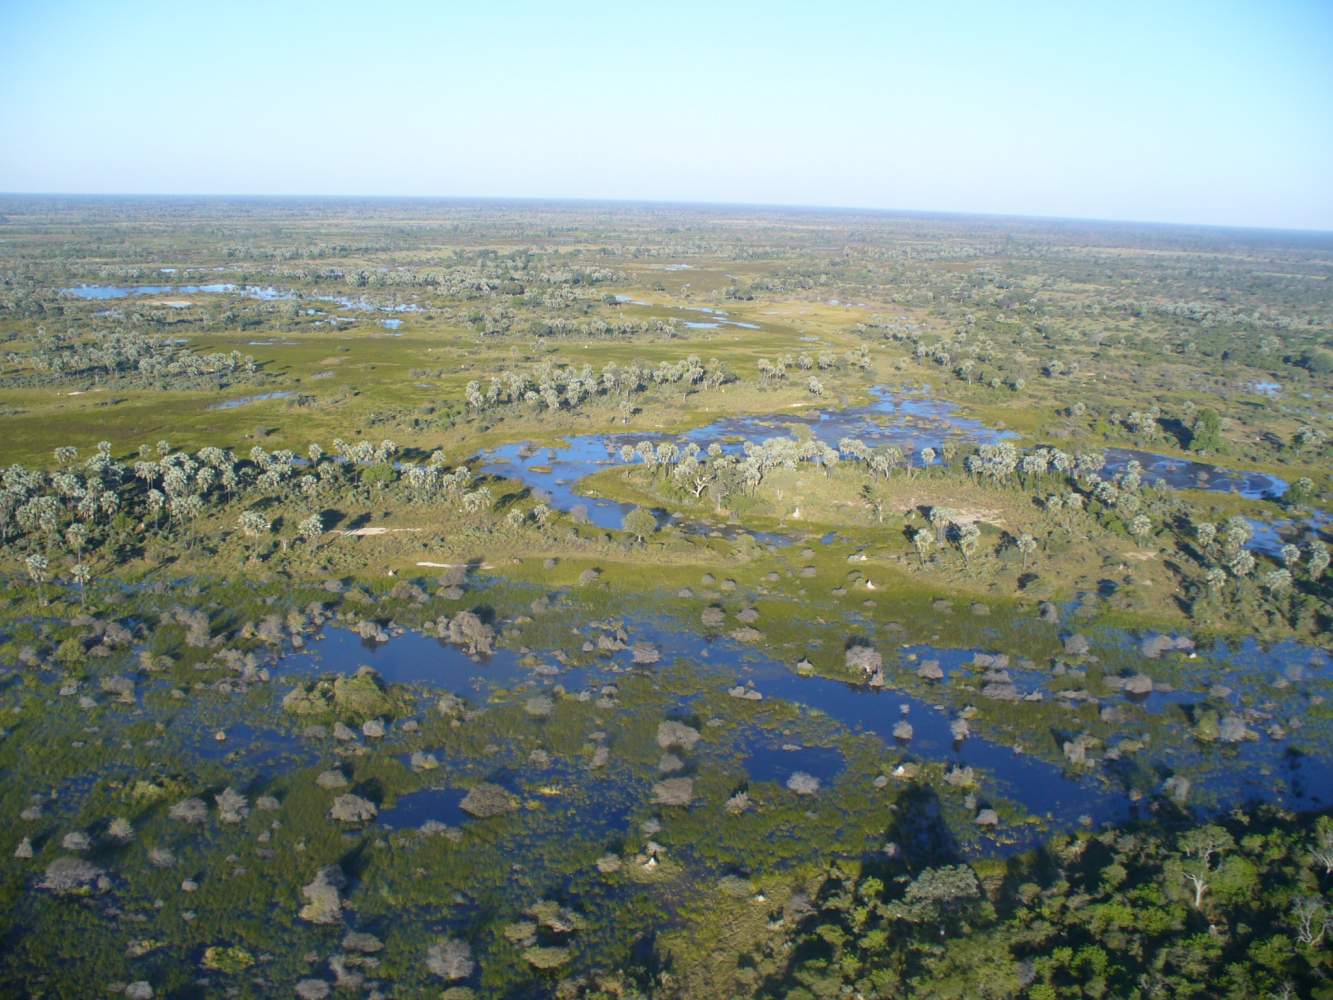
(602, 200)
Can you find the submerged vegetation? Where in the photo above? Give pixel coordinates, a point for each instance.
(413, 599)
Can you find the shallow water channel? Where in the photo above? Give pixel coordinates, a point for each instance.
(1264, 769)
(907, 421)
(263, 293)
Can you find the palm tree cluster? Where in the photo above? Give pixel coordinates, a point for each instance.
(557, 386)
(81, 509)
(771, 372)
(124, 355)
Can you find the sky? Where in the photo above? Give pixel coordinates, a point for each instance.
(1172, 111)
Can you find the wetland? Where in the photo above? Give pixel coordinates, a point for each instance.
(491, 600)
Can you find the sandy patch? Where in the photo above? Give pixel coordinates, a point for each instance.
(961, 515)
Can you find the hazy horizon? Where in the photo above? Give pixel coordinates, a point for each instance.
(592, 201)
(1201, 114)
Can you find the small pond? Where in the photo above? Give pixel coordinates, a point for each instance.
(232, 404)
(410, 658)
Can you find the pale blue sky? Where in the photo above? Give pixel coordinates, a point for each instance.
(1213, 112)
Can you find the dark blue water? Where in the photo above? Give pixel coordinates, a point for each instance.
(443, 805)
(906, 421)
(554, 472)
(1184, 474)
(1042, 788)
(768, 759)
(411, 658)
(1263, 770)
(1268, 537)
(570, 798)
(263, 752)
(1266, 769)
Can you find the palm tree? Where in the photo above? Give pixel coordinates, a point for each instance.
(1140, 527)
(923, 539)
(311, 528)
(76, 535)
(156, 502)
(1205, 532)
(541, 514)
(1026, 546)
(968, 536)
(37, 567)
(82, 573)
(939, 520)
(253, 525)
(185, 508)
(1276, 581)
(1317, 559)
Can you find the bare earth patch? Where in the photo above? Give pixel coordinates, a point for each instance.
(960, 515)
